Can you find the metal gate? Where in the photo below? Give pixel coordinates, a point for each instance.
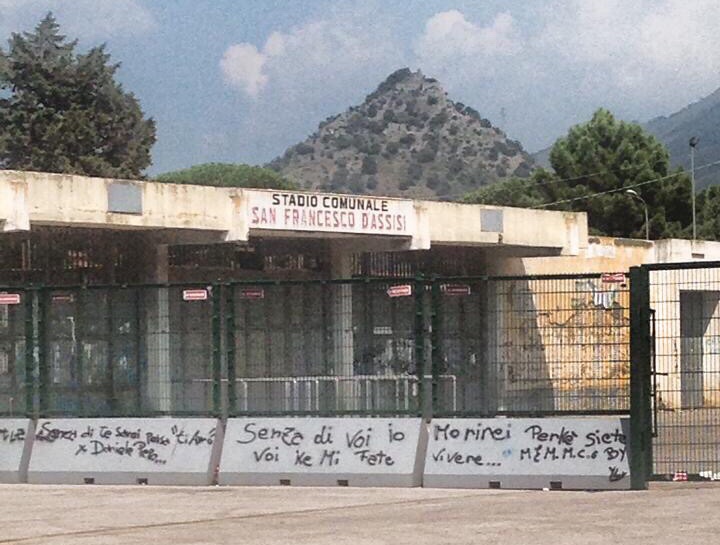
(677, 343)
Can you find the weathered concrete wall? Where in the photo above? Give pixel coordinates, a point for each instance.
(574, 453)
(579, 452)
(607, 254)
(323, 451)
(57, 199)
(559, 344)
(13, 206)
(602, 254)
(455, 223)
(15, 443)
(125, 451)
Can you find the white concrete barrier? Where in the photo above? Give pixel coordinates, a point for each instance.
(15, 443)
(574, 453)
(125, 451)
(323, 451)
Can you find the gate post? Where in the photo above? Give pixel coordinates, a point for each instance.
(42, 356)
(419, 293)
(435, 354)
(30, 375)
(230, 348)
(216, 291)
(640, 365)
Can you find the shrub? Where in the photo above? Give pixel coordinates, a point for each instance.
(304, 149)
(369, 165)
(343, 141)
(407, 140)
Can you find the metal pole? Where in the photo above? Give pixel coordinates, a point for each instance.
(635, 194)
(692, 184)
(693, 142)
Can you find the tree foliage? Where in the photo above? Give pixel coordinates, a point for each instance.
(593, 166)
(228, 175)
(62, 111)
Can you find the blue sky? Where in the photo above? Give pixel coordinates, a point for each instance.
(240, 81)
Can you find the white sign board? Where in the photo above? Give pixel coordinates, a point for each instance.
(15, 438)
(323, 451)
(123, 451)
(583, 452)
(287, 210)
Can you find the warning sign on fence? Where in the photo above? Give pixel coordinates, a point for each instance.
(402, 290)
(613, 278)
(455, 289)
(9, 298)
(195, 295)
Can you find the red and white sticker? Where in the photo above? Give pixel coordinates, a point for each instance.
(9, 298)
(401, 290)
(613, 278)
(252, 293)
(455, 289)
(63, 298)
(195, 295)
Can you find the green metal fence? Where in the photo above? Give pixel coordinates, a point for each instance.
(532, 345)
(476, 346)
(339, 347)
(16, 356)
(676, 346)
(100, 351)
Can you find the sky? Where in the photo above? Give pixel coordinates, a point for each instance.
(242, 80)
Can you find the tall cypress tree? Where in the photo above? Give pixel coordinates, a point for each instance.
(61, 111)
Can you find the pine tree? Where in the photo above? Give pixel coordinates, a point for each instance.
(593, 166)
(61, 111)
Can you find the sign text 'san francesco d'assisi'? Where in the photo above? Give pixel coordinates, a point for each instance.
(330, 213)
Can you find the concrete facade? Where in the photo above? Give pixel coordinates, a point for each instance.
(31, 198)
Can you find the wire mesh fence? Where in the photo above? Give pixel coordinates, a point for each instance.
(323, 348)
(684, 302)
(445, 346)
(16, 394)
(124, 351)
(533, 345)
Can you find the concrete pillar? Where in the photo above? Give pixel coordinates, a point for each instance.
(158, 388)
(341, 323)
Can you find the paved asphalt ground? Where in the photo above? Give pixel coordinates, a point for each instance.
(670, 513)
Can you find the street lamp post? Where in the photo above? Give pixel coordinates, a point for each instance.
(635, 194)
(693, 142)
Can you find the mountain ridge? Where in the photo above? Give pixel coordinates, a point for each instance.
(407, 139)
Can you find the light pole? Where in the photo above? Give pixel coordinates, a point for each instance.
(693, 142)
(635, 194)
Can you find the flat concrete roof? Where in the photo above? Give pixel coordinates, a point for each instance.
(233, 214)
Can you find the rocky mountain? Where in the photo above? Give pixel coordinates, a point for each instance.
(406, 139)
(701, 120)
